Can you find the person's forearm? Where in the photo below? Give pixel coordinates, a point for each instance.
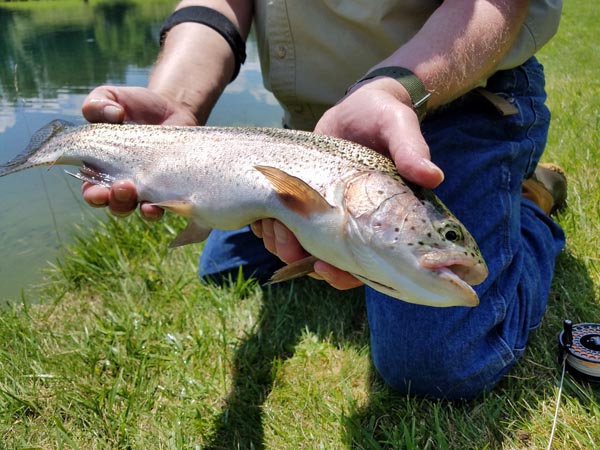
(196, 63)
(460, 45)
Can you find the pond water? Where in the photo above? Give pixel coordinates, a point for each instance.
(52, 53)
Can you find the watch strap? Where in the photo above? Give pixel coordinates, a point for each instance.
(415, 87)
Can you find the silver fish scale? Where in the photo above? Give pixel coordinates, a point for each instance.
(197, 153)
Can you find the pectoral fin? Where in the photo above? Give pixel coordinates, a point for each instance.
(93, 175)
(295, 193)
(296, 269)
(193, 233)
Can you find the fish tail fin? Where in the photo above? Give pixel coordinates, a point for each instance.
(39, 138)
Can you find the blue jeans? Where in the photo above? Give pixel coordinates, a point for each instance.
(459, 352)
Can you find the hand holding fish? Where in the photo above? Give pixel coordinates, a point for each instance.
(378, 114)
(113, 104)
(375, 116)
(351, 208)
(334, 196)
(280, 241)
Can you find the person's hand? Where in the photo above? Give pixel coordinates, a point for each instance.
(378, 115)
(132, 104)
(280, 241)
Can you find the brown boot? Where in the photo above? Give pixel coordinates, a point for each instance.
(547, 188)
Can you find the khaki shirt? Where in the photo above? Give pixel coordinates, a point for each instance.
(312, 50)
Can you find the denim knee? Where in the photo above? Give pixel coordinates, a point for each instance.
(447, 388)
(435, 352)
(455, 377)
(460, 352)
(226, 252)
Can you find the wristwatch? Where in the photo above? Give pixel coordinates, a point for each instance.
(412, 83)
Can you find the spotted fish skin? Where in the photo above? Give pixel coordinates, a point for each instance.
(345, 203)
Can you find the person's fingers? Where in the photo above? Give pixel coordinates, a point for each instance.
(287, 246)
(121, 202)
(256, 228)
(268, 235)
(377, 119)
(95, 196)
(337, 278)
(401, 135)
(116, 104)
(122, 198)
(150, 212)
(102, 105)
(278, 239)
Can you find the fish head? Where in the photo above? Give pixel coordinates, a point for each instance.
(409, 245)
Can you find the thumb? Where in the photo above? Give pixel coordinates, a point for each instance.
(115, 104)
(410, 152)
(102, 105)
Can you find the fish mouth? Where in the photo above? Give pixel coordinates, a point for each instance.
(456, 265)
(459, 269)
(449, 275)
(468, 297)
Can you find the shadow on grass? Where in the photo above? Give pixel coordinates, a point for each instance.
(389, 419)
(339, 317)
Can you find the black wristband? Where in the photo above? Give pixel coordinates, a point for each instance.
(216, 21)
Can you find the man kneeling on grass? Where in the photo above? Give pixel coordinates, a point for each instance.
(420, 68)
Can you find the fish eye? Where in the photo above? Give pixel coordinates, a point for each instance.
(451, 235)
(451, 232)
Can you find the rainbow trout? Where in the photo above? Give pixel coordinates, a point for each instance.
(345, 203)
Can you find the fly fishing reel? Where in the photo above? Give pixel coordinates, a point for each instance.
(579, 348)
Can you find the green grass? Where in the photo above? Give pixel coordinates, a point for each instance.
(126, 349)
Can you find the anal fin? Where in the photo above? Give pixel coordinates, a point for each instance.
(192, 234)
(294, 270)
